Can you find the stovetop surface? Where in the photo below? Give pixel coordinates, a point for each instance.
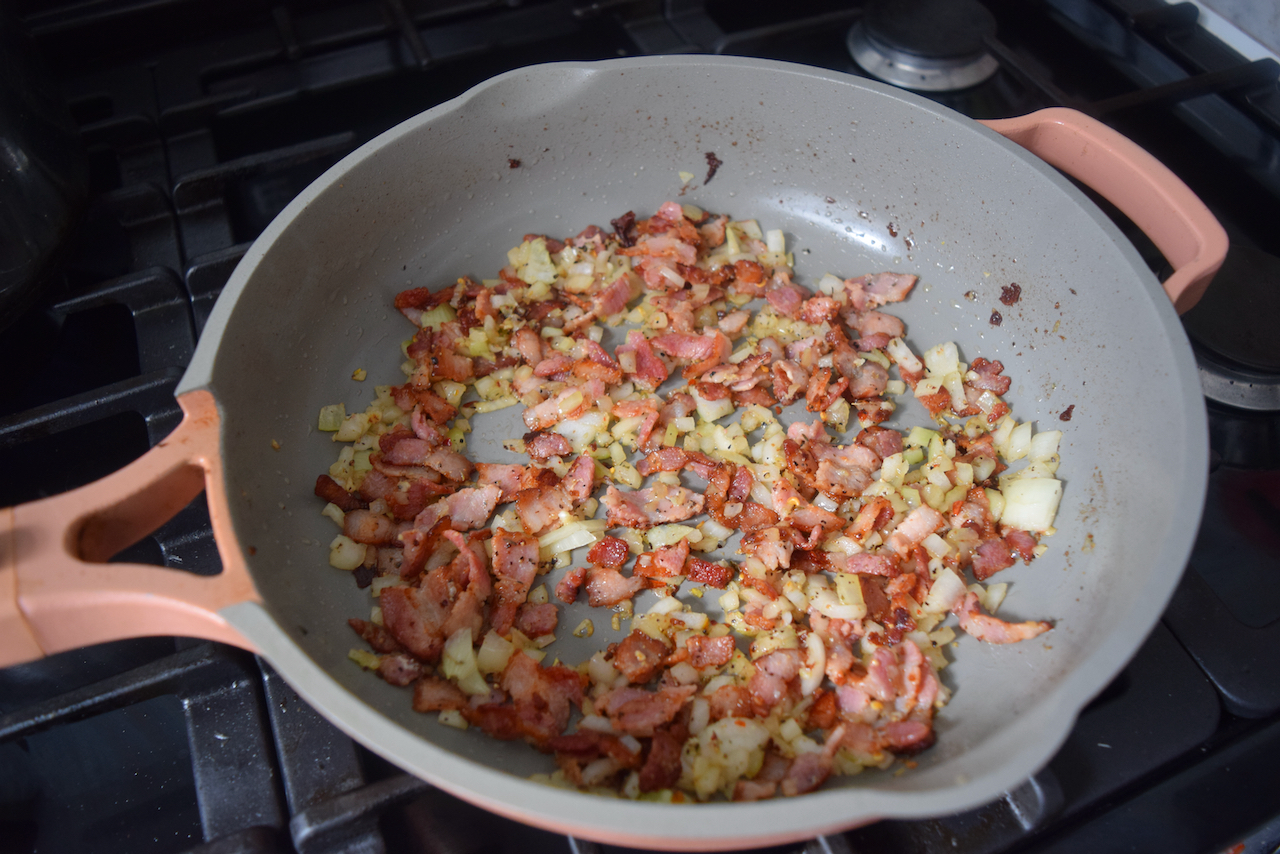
(201, 122)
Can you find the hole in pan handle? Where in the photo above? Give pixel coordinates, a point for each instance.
(57, 592)
(1188, 235)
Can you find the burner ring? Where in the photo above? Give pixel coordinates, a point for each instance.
(920, 73)
(1237, 387)
(925, 45)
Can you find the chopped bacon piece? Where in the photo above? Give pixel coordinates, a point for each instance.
(1023, 543)
(434, 694)
(734, 322)
(990, 376)
(607, 587)
(330, 490)
(540, 508)
(515, 564)
(700, 571)
(415, 617)
(787, 299)
(991, 629)
(609, 552)
(700, 352)
(789, 381)
(614, 298)
(710, 652)
(661, 769)
(663, 459)
(371, 528)
(542, 697)
(651, 506)
(866, 563)
(570, 583)
(579, 480)
(639, 657)
(543, 446)
(641, 713)
(879, 289)
(650, 371)
(870, 323)
(470, 508)
(730, 701)
(555, 409)
(664, 562)
(919, 523)
(374, 635)
(990, 557)
(401, 669)
(537, 620)
(507, 477)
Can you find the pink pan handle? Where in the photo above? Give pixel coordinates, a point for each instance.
(1135, 182)
(56, 590)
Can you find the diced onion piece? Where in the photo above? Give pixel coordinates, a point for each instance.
(666, 605)
(669, 535)
(331, 417)
(942, 359)
(811, 672)
(346, 553)
(334, 512)
(1031, 503)
(365, 658)
(582, 431)
(459, 663)
(711, 410)
(1044, 445)
(995, 596)
(935, 545)
(948, 589)
(433, 318)
(453, 718)
(382, 582)
(1019, 442)
(693, 619)
(572, 535)
(352, 428)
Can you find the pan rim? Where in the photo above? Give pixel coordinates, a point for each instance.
(722, 826)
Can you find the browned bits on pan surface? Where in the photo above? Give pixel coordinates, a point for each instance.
(996, 318)
(713, 164)
(1011, 293)
(1066, 413)
(513, 163)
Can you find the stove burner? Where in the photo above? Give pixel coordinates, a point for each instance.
(1232, 331)
(926, 45)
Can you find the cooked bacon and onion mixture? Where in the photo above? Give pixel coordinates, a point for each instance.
(814, 648)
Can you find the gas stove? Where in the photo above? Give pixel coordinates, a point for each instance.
(200, 122)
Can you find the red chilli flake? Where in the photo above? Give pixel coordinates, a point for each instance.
(996, 318)
(713, 164)
(1011, 294)
(1066, 413)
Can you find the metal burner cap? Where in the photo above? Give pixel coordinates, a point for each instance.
(926, 45)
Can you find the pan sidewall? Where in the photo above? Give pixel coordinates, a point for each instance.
(861, 178)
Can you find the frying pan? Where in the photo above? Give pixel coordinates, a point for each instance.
(862, 178)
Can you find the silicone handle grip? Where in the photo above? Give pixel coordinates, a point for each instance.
(1157, 201)
(57, 592)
